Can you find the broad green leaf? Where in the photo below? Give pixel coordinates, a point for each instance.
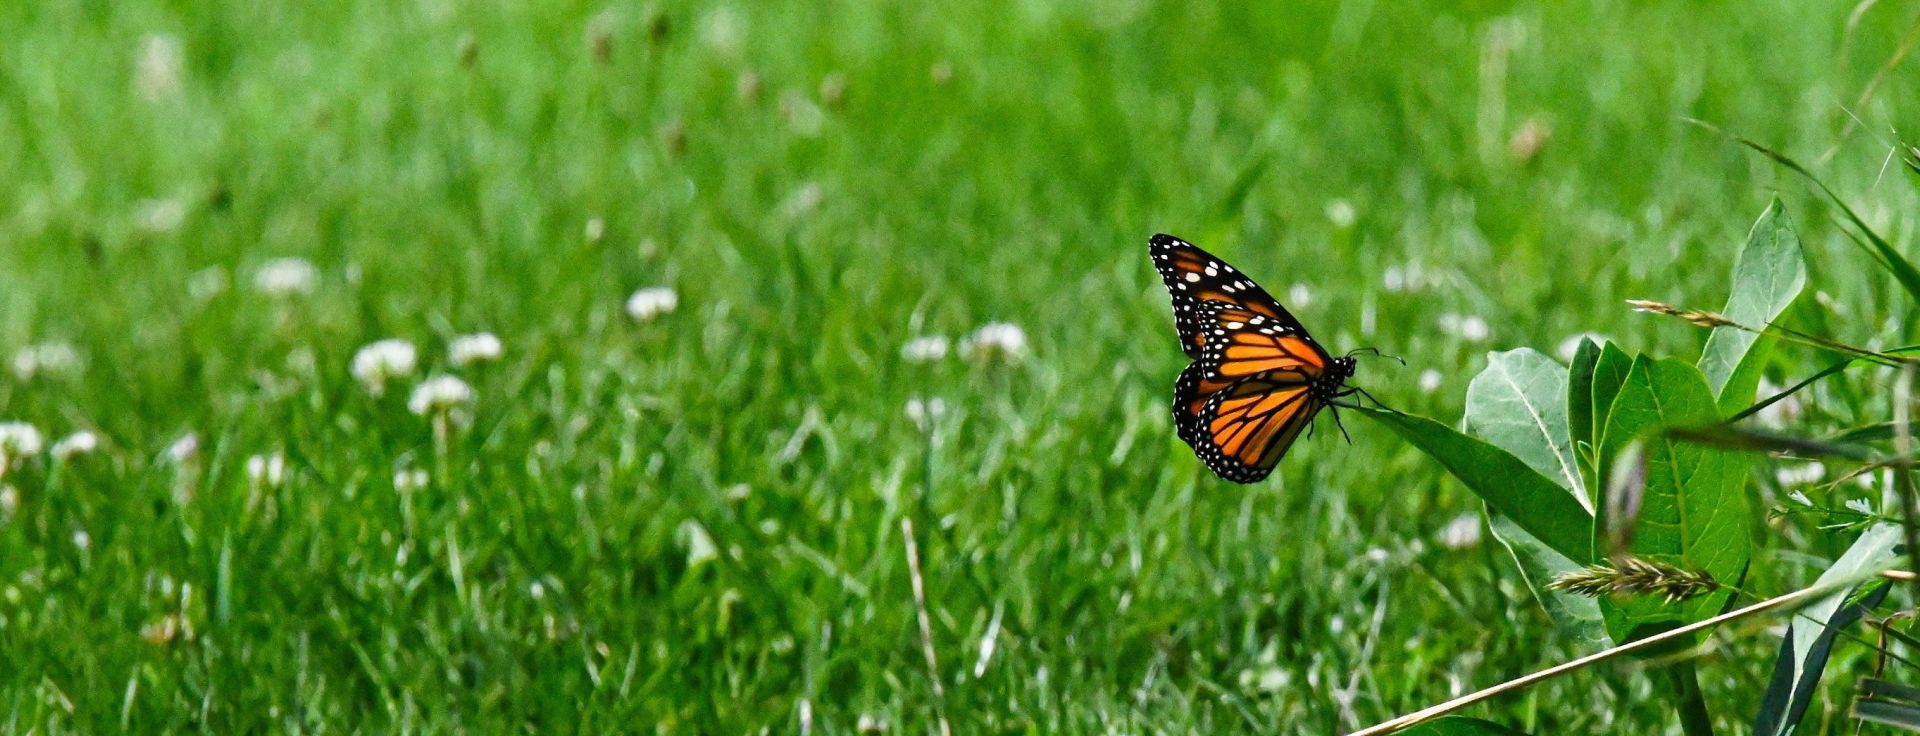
(1518, 403)
(1608, 373)
(1693, 509)
(1580, 402)
(1809, 638)
(1767, 275)
(1459, 726)
(1507, 484)
(1577, 616)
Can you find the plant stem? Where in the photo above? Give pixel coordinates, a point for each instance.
(1690, 705)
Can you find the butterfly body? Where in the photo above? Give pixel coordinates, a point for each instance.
(1257, 378)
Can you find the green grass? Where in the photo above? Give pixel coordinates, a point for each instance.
(439, 162)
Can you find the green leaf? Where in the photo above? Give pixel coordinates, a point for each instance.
(1577, 616)
(1518, 403)
(1809, 638)
(1459, 726)
(1608, 373)
(1580, 399)
(1877, 247)
(1507, 484)
(1693, 509)
(1768, 274)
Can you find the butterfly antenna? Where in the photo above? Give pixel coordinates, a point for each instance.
(1376, 353)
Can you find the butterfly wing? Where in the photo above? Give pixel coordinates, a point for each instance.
(1194, 277)
(1248, 426)
(1190, 395)
(1240, 343)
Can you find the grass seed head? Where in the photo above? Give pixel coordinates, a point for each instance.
(1630, 576)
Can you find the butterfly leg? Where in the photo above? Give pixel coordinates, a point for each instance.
(1338, 423)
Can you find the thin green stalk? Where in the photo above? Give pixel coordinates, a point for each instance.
(1690, 705)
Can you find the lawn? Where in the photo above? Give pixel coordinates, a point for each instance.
(687, 514)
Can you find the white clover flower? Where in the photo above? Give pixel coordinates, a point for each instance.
(52, 359)
(381, 361)
(1430, 380)
(207, 283)
(1462, 532)
(18, 441)
(156, 71)
(440, 394)
(1570, 347)
(652, 302)
(596, 228)
(285, 277)
(869, 723)
(408, 480)
(924, 349)
(536, 590)
(1299, 295)
(160, 215)
(995, 340)
(82, 539)
(1341, 213)
(1469, 327)
(924, 412)
(267, 471)
(1408, 277)
(83, 442)
(480, 347)
(184, 449)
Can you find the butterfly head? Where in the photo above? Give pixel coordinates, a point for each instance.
(1330, 382)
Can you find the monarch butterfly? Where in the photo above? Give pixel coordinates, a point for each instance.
(1257, 378)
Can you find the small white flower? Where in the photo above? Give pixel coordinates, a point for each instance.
(156, 72)
(803, 201)
(1299, 295)
(596, 229)
(18, 441)
(1570, 347)
(440, 394)
(83, 442)
(1406, 277)
(1461, 533)
(184, 449)
(652, 302)
(924, 412)
(924, 349)
(1341, 213)
(1430, 380)
(52, 359)
(995, 340)
(160, 215)
(207, 283)
(1790, 476)
(268, 471)
(381, 361)
(1469, 327)
(536, 590)
(869, 723)
(480, 347)
(408, 480)
(699, 544)
(82, 539)
(283, 277)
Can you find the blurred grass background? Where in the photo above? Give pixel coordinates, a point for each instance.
(820, 183)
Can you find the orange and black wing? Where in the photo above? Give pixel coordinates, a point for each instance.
(1194, 278)
(1245, 428)
(1240, 343)
(1190, 395)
